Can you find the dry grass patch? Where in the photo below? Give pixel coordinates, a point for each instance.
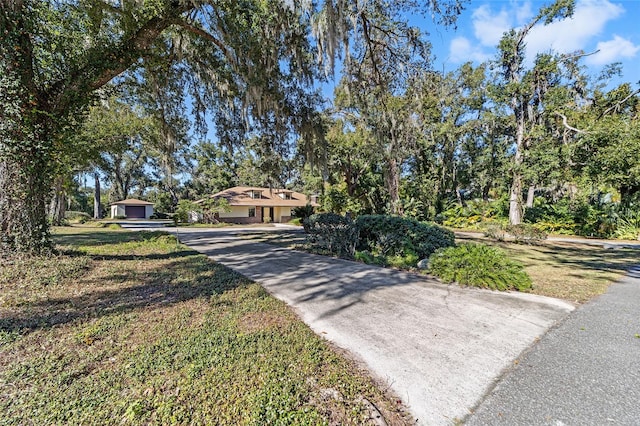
(570, 271)
(137, 329)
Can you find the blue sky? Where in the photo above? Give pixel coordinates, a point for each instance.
(608, 26)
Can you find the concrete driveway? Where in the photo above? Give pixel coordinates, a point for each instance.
(439, 347)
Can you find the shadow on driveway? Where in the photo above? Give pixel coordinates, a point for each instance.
(439, 347)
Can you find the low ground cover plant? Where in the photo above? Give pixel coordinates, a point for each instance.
(474, 214)
(479, 265)
(628, 227)
(134, 328)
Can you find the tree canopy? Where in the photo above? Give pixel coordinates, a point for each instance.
(252, 62)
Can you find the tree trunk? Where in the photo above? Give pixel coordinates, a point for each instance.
(531, 194)
(58, 203)
(97, 208)
(24, 192)
(459, 197)
(515, 194)
(485, 192)
(393, 185)
(515, 200)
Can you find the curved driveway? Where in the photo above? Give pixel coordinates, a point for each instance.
(439, 347)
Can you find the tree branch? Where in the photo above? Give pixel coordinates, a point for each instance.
(617, 104)
(566, 124)
(113, 61)
(206, 35)
(109, 7)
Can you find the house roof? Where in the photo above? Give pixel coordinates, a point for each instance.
(241, 196)
(132, 202)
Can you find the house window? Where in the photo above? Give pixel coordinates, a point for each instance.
(256, 194)
(285, 195)
(252, 212)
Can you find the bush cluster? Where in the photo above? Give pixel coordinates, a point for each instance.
(479, 265)
(331, 233)
(159, 215)
(390, 236)
(522, 233)
(76, 216)
(401, 242)
(379, 239)
(302, 212)
(473, 214)
(526, 233)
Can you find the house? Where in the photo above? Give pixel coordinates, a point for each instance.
(132, 209)
(250, 204)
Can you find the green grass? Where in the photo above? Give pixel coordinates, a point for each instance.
(134, 328)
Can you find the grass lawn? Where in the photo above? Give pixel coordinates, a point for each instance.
(132, 328)
(570, 271)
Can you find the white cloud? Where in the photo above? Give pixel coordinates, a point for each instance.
(575, 33)
(524, 13)
(612, 51)
(461, 50)
(579, 32)
(488, 27)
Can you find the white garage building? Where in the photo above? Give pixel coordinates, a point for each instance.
(132, 208)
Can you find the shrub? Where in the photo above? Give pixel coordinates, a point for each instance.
(526, 233)
(367, 257)
(522, 233)
(302, 212)
(556, 227)
(479, 265)
(628, 227)
(403, 262)
(120, 217)
(296, 221)
(331, 233)
(495, 231)
(159, 215)
(76, 216)
(472, 215)
(397, 236)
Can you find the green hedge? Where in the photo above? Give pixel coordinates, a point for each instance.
(331, 233)
(392, 236)
(479, 265)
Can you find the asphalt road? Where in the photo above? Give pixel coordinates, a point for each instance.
(584, 372)
(440, 348)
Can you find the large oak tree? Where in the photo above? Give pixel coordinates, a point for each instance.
(252, 59)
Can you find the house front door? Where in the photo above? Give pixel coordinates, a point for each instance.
(267, 212)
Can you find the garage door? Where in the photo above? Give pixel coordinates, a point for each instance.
(134, 212)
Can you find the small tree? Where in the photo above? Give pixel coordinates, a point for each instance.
(184, 210)
(211, 207)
